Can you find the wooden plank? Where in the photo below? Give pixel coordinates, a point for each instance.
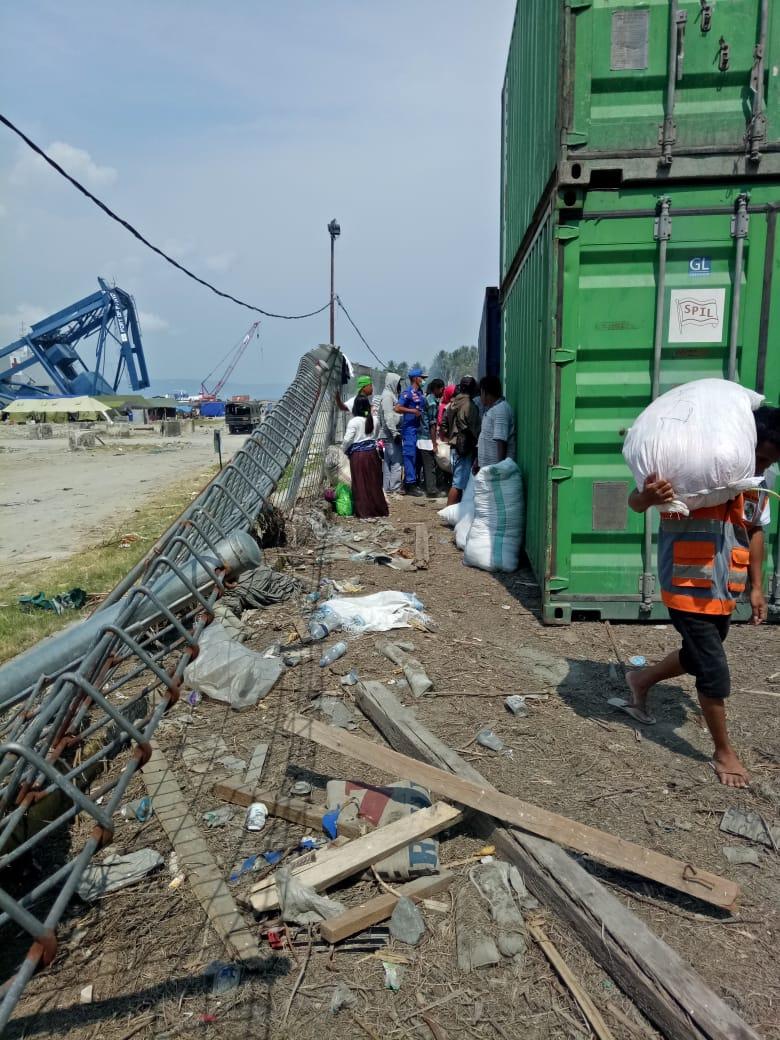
(651, 973)
(421, 550)
(195, 859)
(357, 918)
(570, 981)
(606, 848)
(256, 764)
(293, 809)
(362, 852)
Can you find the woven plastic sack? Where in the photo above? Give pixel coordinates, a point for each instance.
(496, 532)
(701, 437)
(443, 460)
(337, 466)
(344, 505)
(452, 515)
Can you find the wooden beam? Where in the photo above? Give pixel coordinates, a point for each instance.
(256, 763)
(651, 973)
(195, 859)
(293, 809)
(606, 848)
(422, 557)
(358, 918)
(362, 852)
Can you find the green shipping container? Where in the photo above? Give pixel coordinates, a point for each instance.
(599, 92)
(597, 295)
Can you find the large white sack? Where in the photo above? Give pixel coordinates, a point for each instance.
(496, 533)
(701, 437)
(337, 466)
(466, 516)
(452, 514)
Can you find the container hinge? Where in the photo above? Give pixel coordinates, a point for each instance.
(741, 219)
(662, 226)
(563, 357)
(573, 138)
(724, 55)
(705, 18)
(565, 232)
(555, 583)
(647, 589)
(560, 472)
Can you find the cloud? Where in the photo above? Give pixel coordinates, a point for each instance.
(15, 324)
(220, 261)
(177, 249)
(152, 322)
(3, 211)
(75, 161)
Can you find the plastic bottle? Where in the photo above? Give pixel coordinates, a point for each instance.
(140, 810)
(322, 624)
(333, 654)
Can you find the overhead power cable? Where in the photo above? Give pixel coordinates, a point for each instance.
(362, 337)
(141, 238)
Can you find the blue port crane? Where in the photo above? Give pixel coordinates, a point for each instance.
(52, 344)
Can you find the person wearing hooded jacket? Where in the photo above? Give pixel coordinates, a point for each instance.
(388, 422)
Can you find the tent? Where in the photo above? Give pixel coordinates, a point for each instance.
(81, 406)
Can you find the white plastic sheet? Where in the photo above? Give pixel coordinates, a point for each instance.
(229, 672)
(379, 612)
(701, 437)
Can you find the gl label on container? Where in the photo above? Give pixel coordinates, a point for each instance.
(696, 315)
(700, 266)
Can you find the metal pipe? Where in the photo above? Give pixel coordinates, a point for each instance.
(674, 62)
(739, 230)
(756, 134)
(662, 232)
(238, 552)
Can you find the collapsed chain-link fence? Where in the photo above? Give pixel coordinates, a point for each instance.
(78, 710)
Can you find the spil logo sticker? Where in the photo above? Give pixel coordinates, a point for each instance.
(696, 315)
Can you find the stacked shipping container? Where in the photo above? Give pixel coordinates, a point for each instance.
(640, 162)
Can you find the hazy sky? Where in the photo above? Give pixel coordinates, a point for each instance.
(230, 133)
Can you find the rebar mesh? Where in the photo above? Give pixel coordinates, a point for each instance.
(78, 711)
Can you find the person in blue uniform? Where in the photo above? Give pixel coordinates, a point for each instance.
(411, 407)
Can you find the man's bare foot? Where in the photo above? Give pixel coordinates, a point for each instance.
(637, 709)
(729, 770)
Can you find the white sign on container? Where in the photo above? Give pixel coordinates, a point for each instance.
(696, 315)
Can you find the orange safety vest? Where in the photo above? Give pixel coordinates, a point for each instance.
(703, 558)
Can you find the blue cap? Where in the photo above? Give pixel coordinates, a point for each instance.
(416, 373)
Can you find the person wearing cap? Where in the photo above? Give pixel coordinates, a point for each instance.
(411, 407)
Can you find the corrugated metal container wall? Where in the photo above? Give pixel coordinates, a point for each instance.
(529, 101)
(635, 89)
(578, 334)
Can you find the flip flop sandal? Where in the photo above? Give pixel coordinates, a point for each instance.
(636, 714)
(727, 772)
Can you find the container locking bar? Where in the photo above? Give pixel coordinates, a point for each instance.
(756, 131)
(668, 129)
(739, 229)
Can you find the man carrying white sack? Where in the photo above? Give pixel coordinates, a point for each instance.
(704, 561)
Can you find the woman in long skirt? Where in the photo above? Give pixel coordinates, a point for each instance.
(365, 465)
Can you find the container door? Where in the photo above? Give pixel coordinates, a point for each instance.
(608, 298)
(679, 75)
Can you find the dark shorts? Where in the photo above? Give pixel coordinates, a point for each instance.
(702, 654)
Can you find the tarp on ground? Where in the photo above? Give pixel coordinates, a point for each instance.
(56, 406)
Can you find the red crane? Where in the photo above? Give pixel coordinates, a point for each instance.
(232, 358)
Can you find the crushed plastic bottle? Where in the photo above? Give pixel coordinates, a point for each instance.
(141, 810)
(350, 679)
(193, 698)
(333, 654)
(517, 705)
(488, 739)
(637, 661)
(256, 815)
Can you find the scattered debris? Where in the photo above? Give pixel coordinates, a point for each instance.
(350, 679)
(224, 977)
(488, 739)
(85, 996)
(339, 713)
(378, 612)
(342, 997)
(406, 922)
(476, 948)
(393, 975)
(227, 671)
(292, 809)
(218, 817)
(73, 600)
(495, 882)
(752, 825)
(300, 789)
(517, 705)
(378, 909)
(115, 872)
(333, 654)
(299, 903)
(141, 810)
(256, 815)
(261, 587)
(739, 855)
(256, 764)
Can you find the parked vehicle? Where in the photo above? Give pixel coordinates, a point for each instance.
(244, 416)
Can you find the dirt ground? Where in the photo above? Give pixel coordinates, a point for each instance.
(145, 949)
(54, 501)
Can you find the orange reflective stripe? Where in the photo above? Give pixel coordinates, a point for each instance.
(692, 564)
(738, 571)
(696, 604)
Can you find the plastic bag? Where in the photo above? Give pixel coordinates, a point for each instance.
(344, 505)
(701, 437)
(227, 671)
(496, 533)
(453, 514)
(376, 613)
(443, 460)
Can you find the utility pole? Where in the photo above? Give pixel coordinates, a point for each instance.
(334, 230)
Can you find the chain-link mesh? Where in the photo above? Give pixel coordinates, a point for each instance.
(78, 711)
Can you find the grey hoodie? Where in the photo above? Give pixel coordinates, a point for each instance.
(388, 420)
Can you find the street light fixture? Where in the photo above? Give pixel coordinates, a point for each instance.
(334, 229)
